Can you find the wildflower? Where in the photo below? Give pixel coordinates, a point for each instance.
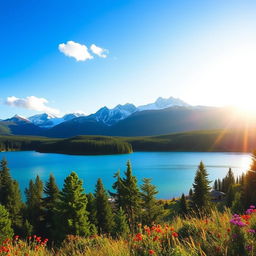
(248, 247)
(151, 252)
(228, 230)
(237, 220)
(138, 237)
(253, 231)
(174, 234)
(155, 238)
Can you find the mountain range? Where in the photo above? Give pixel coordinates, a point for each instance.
(161, 117)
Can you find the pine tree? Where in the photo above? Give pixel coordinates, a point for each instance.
(15, 205)
(119, 195)
(230, 196)
(34, 204)
(50, 201)
(10, 196)
(91, 209)
(250, 183)
(190, 192)
(121, 227)
(6, 230)
(183, 205)
(201, 196)
(104, 213)
(130, 197)
(6, 181)
(228, 181)
(215, 185)
(151, 210)
(73, 217)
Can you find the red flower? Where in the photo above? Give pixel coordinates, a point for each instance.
(174, 234)
(151, 252)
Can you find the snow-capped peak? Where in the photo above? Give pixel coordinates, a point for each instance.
(162, 103)
(114, 115)
(71, 116)
(18, 118)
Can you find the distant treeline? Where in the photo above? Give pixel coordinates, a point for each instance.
(195, 141)
(89, 145)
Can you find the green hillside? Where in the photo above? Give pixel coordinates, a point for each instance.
(213, 140)
(205, 141)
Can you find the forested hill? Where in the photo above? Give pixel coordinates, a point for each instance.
(205, 141)
(84, 145)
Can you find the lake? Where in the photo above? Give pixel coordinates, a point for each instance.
(172, 172)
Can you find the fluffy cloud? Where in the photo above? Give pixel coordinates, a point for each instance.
(31, 102)
(75, 50)
(99, 51)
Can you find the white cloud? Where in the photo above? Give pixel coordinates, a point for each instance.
(99, 51)
(32, 103)
(75, 50)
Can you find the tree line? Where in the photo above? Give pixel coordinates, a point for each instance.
(54, 213)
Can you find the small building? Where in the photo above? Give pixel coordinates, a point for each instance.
(217, 196)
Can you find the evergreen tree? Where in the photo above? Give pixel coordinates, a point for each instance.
(183, 205)
(50, 202)
(35, 204)
(151, 210)
(104, 213)
(121, 227)
(6, 230)
(10, 196)
(215, 185)
(201, 196)
(91, 209)
(73, 217)
(130, 197)
(6, 182)
(119, 195)
(14, 206)
(190, 192)
(250, 183)
(228, 181)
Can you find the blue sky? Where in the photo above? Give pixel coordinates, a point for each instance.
(203, 52)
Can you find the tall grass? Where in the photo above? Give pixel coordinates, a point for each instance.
(219, 234)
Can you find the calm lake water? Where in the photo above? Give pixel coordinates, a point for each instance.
(171, 172)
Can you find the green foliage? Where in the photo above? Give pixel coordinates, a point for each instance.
(10, 196)
(250, 183)
(5, 183)
(121, 227)
(50, 202)
(6, 230)
(237, 204)
(188, 230)
(91, 209)
(73, 217)
(104, 213)
(201, 190)
(183, 206)
(34, 203)
(128, 196)
(152, 211)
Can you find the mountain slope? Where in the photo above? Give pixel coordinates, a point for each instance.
(174, 119)
(155, 122)
(162, 103)
(78, 126)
